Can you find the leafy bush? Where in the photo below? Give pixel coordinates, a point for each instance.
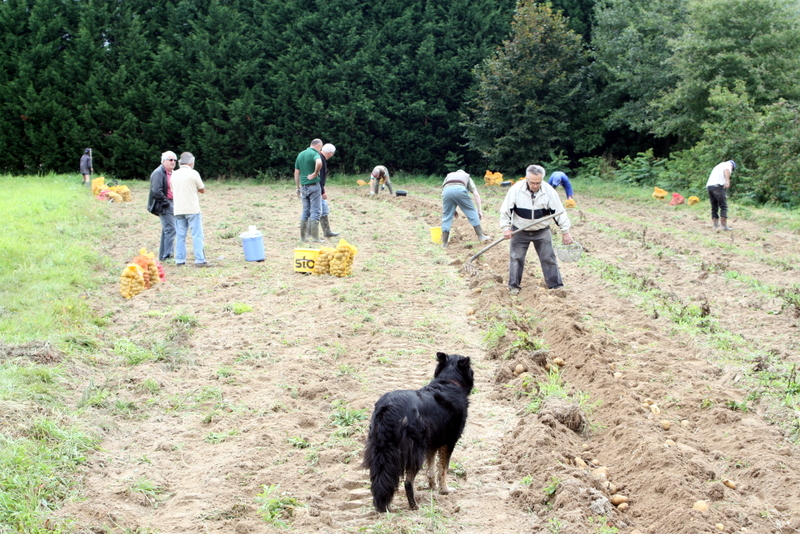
(644, 169)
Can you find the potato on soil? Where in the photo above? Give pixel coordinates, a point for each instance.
(616, 500)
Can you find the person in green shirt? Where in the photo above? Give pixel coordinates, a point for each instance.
(307, 166)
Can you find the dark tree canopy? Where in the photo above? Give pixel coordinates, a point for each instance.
(243, 84)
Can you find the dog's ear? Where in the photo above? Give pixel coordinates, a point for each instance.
(441, 356)
(464, 362)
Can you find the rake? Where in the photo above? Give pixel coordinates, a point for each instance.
(470, 268)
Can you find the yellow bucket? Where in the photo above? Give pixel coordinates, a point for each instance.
(436, 235)
(304, 259)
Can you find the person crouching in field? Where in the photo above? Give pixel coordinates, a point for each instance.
(525, 201)
(379, 173)
(455, 192)
(558, 178)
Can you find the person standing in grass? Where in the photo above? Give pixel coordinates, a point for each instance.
(159, 203)
(526, 201)
(186, 184)
(719, 181)
(307, 166)
(86, 167)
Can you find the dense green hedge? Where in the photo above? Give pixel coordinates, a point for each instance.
(243, 84)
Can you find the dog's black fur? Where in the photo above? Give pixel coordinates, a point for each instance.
(410, 427)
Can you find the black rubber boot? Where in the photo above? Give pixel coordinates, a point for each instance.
(326, 227)
(479, 231)
(445, 239)
(723, 221)
(313, 231)
(716, 223)
(303, 230)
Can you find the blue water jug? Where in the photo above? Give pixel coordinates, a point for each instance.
(253, 245)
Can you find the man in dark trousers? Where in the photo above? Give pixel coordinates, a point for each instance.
(525, 201)
(719, 181)
(159, 202)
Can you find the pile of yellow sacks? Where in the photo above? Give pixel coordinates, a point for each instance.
(335, 261)
(492, 178)
(142, 273)
(570, 203)
(117, 193)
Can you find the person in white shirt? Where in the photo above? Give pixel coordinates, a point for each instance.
(186, 184)
(379, 173)
(525, 201)
(455, 193)
(719, 181)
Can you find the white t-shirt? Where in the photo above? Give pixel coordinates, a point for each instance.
(185, 184)
(380, 172)
(717, 176)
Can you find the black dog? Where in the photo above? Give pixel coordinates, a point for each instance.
(409, 427)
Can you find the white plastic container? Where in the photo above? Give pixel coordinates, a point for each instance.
(253, 244)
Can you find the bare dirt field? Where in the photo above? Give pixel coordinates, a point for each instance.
(666, 334)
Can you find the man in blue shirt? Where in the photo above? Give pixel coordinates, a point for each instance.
(559, 178)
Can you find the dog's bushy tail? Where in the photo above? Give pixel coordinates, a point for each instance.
(390, 450)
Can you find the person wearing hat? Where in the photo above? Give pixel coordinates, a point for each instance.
(455, 193)
(719, 181)
(86, 166)
(559, 178)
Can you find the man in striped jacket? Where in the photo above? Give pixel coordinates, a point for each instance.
(525, 201)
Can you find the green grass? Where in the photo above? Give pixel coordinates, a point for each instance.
(238, 308)
(554, 386)
(151, 492)
(768, 216)
(47, 272)
(276, 508)
(38, 455)
(348, 421)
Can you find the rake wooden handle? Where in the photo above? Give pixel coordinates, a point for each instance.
(534, 223)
